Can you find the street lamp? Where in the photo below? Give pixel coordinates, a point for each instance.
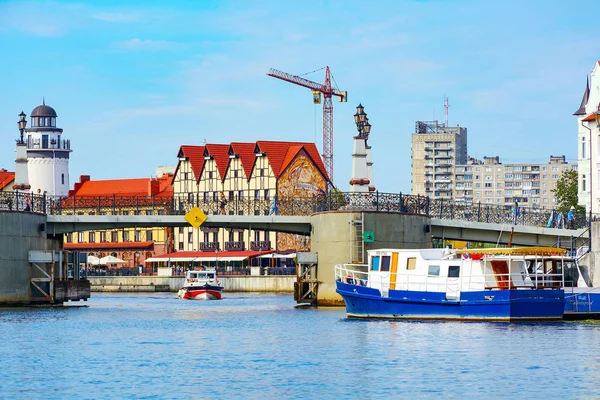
(362, 122)
(22, 124)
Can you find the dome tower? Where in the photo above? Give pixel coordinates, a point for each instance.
(47, 153)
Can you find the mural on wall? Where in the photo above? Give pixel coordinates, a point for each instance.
(300, 180)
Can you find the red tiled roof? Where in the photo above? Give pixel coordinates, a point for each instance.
(277, 153)
(247, 157)
(123, 245)
(122, 187)
(196, 156)
(6, 178)
(245, 253)
(591, 117)
(219, 153)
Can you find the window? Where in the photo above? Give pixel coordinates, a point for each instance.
(215, 196)
(92, 237)
(114, 236)
(190, 197)
(235, 173)
(185, 176)
(375, 263)
(190, 237)
(125, 212)
(257, 236)
(206, 238)
(583, 182)
(267, 196)
(62, 178)
(215, 237)
(210, 174)
(137, 235)
(180, 246)
(149, 235)
(257, 195)
(69, 237)
(262, 172)
(102, 236)
(230, 195)
(453, 271)
(126, 236)
(231, 238)
(241, 195)
(411, 263)
(434, 270)
(583, 155)
(81, 237)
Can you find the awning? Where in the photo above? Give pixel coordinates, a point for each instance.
(205, 256)
(174, 258)
(201, 259)
(277, 255)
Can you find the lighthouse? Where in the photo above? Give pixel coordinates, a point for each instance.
(47, 153)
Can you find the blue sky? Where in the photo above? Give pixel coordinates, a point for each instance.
(133, 80)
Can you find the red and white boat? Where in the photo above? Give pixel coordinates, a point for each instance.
(201, 285)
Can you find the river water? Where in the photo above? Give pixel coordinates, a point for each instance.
(260, 347)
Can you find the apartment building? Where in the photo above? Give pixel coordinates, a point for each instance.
(491, 182)
(436, 149)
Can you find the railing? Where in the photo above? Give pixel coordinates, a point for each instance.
(428, 283)
(372, 201)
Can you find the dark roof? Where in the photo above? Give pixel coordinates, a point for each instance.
(584, 100)
(43, 111)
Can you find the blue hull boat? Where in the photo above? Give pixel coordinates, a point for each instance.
(501, 305)
(513, 284)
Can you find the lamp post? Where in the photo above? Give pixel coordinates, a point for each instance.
(362, 122)
(22, 124)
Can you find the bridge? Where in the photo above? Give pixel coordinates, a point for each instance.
(447, 220)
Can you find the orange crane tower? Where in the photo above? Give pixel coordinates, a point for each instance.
(328, 92)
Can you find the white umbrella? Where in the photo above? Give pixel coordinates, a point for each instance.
(111, 260)
(93, 260)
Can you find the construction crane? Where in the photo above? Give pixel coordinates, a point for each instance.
(317, 90)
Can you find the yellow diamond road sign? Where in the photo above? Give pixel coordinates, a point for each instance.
(195, 217)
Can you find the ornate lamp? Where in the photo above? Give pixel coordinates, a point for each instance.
(22, 124)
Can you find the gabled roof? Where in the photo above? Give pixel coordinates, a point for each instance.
(584, 100)
(277, 152)
(591, 117)
(219, 153)
(6, 178)
(246, 153)
(123, 187)
(196, 156)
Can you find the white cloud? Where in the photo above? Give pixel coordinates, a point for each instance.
(117, 17)
(151, 45)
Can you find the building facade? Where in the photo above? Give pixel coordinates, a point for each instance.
(145, 196)
(493, 183)
(245, 179)
(436, 149)
(587, 157)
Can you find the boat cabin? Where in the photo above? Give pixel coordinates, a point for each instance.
(199, 276)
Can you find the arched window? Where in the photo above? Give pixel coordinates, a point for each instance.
(583, 148)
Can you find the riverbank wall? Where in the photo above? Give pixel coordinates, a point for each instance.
(266, 284)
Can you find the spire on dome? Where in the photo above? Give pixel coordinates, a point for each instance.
(584, 100)
(44, 100)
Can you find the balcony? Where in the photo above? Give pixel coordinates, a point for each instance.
(209, 246)
(260, 245)
(235, 246)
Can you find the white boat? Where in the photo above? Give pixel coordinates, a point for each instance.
(201, 285)
(486, 284)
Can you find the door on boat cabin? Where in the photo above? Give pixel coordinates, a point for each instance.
(453, 283)
(393, 271)
(502, 275)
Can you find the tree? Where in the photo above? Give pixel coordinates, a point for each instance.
(566, 192)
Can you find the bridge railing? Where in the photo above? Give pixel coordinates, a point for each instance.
(372, 201)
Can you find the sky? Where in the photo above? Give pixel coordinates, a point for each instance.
(131, 81)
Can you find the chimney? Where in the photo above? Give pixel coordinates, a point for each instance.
(153, 187)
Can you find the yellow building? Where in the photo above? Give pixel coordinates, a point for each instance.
(145, 196)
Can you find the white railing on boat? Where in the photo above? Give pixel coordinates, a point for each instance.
(347, 273)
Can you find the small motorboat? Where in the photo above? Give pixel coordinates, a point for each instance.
(201, 285)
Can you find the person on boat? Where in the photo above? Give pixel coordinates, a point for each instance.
(516, 212)
(571, 218)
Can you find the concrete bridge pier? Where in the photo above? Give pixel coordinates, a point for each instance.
(337, 237)
(33, 283)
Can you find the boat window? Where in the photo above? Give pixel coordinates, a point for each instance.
(385, 263)
(571, 275)
(193, 276)
(434, 270)
(453, 271)
(375, 263)
(411, 263)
